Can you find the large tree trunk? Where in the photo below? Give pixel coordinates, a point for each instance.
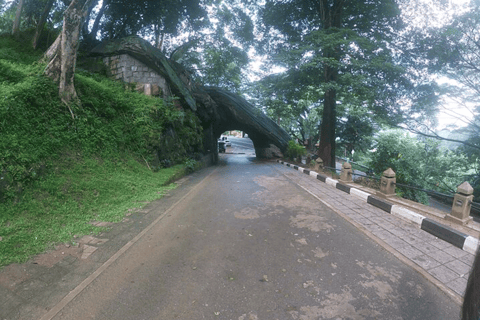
(41, 23)
(63, 52)
(330, 12)
(16, 23)
(326, 150)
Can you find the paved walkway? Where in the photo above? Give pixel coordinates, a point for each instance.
(441, 262)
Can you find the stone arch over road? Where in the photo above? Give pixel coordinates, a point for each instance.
(135, 60)
(236, 113)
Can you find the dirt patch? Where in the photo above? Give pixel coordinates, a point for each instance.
(319, 253)
(13, 275)
(312, 222)
(334, 305)
(50, 258)
(247, 213)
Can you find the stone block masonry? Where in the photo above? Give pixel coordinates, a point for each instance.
(128, 69)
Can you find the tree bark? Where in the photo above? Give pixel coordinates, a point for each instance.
(16, 23)
(41, 23)
(62, 55)
(326, 150)
(330, 12)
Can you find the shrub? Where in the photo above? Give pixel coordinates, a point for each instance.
(294, 150)
(417, 163)
(190, 165)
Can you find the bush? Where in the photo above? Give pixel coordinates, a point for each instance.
(294, 150)
(417, 163)
(190, 165)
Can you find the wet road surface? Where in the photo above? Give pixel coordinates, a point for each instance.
(247, 243)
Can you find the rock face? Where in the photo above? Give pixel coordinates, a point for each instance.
(134, 60)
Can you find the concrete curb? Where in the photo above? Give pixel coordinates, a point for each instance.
(452, 236)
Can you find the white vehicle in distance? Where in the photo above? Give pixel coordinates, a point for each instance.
(227, 143)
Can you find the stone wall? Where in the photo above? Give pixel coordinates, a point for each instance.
(126, 68)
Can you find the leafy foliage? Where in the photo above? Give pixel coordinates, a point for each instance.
(125, 18)
(220, 57)
(355, 133)
(452, 51)
(294, 150)
(418, 163)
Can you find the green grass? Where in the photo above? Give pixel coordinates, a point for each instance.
(64, 203)
(58, 174)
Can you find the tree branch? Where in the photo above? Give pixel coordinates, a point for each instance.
(436, 136)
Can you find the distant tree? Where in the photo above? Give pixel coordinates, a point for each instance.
(290, 100)
(7, 15)
(345, 49)
(18, 15)
(41, 23)
(355, 133)
(452, 51)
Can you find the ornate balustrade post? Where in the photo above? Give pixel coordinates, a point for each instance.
(387, 184)
(318, 164)
(461, 205)
(347, 172)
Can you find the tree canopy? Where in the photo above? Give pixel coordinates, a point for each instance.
(344, 52)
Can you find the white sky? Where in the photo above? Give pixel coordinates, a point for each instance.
(452, 113)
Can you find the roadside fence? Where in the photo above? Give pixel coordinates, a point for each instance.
(462, 199)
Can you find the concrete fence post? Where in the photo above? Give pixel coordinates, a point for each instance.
(387, 184)
(318, 164)
(347, 172)
(461, 205)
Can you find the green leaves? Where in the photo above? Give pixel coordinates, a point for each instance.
(294, 150)
(417, 163)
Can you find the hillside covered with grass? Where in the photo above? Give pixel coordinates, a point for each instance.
(61, 167)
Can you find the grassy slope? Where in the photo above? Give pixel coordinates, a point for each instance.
(58, 175)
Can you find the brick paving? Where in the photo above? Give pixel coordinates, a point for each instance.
(442, 260)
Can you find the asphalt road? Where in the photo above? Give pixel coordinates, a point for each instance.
(246, 243)
(241, 146)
